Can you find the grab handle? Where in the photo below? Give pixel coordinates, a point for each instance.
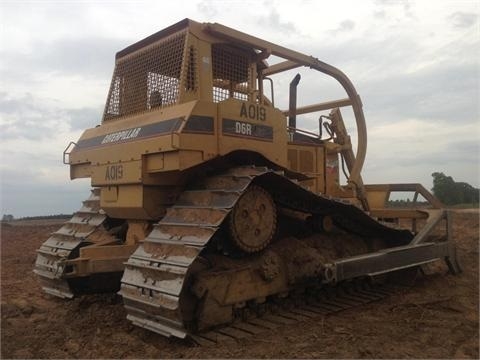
(67, 151)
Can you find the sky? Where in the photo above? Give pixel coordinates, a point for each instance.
(415, 64)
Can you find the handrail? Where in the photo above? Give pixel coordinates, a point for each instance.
(67, 152)
(294, 129)
(328, 105)
(407, 187)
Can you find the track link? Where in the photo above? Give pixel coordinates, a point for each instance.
(50, 265)
(156, 274)
(313, 306)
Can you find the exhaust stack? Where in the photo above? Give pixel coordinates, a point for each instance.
(292, 108)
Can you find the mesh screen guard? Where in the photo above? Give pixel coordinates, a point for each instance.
(151, 77)
(231, 73)
(159, 74)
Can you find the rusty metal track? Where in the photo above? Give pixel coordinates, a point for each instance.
(50, 265)
(156, 274)
(314, 306)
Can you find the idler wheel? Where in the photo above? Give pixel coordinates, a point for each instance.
(253, 220)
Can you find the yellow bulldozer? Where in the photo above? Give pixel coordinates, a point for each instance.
(210, 206)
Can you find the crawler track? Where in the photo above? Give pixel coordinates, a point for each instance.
(64, 244)
(157, 273)
(288, 311)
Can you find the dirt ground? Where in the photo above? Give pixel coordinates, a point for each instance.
(437, 317)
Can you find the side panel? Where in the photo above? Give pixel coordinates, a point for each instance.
(198, 136)
(129, 138)
(136, 201)
(250, 126)
(310, 161)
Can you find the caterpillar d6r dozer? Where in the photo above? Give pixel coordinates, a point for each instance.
(210, 206)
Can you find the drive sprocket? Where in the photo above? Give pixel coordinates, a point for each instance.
(253, 220)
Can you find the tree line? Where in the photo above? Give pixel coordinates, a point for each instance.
(450, 192)
(9, 217)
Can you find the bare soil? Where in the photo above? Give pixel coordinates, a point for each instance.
(436, 317)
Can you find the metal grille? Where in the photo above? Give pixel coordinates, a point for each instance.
(150, 78)
(231, 70)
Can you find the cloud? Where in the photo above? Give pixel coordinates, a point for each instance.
(406, 6)
(26, 118)
(33, 118)
(33, 134)
(344, 26)
(274, 22)
(462, 19)
(379, 14)
(72, 71)
(399, 77)
(84, 118)
(88, 57)
(208, 8)
(422, 147)
(22, 197)
(443, 94)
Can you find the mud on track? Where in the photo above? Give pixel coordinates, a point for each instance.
(437, 317)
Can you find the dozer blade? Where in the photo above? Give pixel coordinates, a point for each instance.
(62, 245)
